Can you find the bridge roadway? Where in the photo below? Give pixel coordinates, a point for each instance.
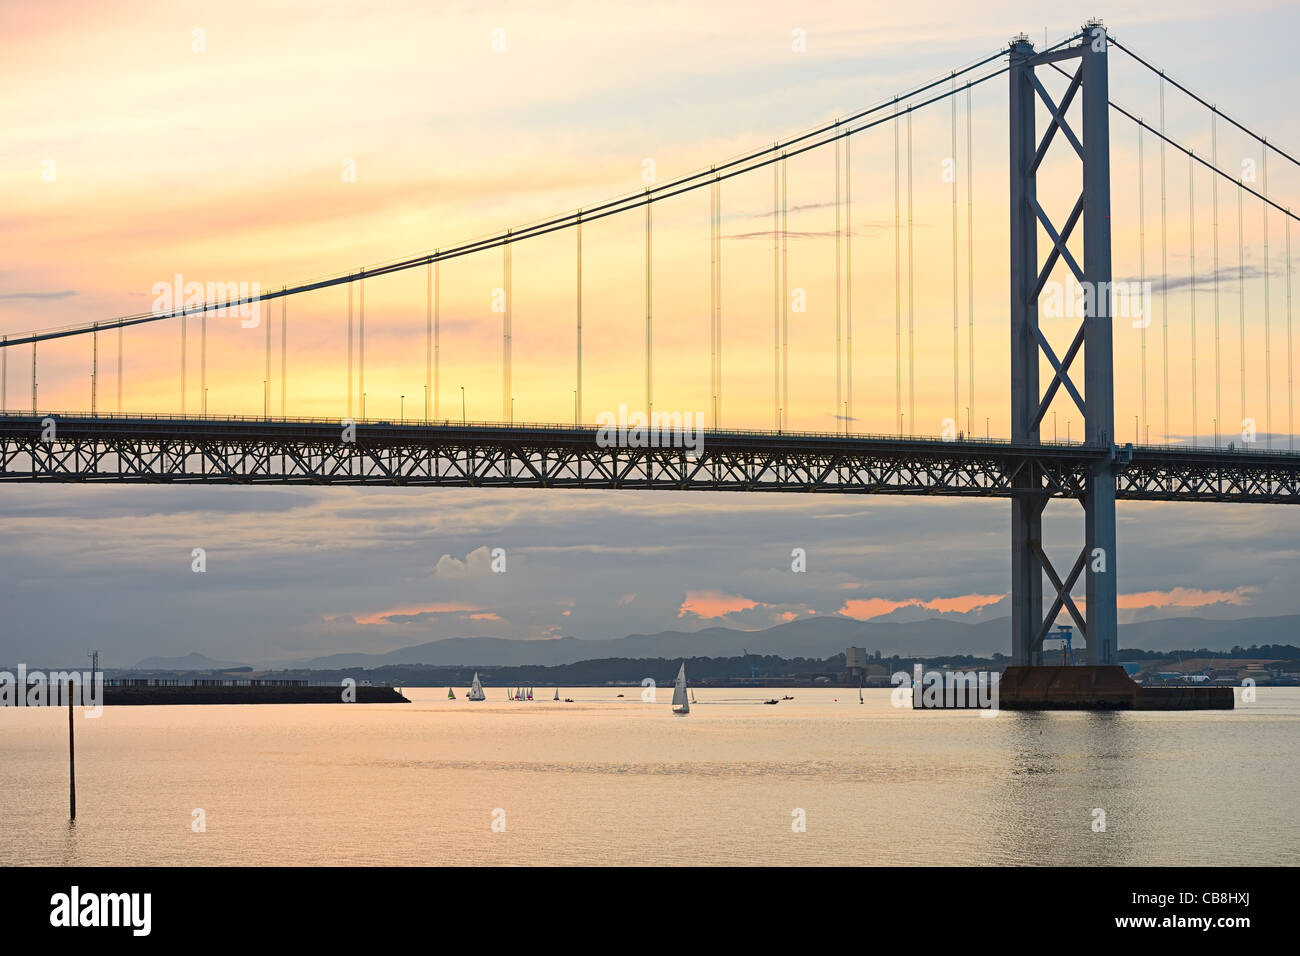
(244, 451)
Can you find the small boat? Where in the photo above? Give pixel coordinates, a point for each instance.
(568, 700)
(476, 690)
(681, 706)
(557, 693)
(620, 695)
(772, 701)
(787, 697)
(451, 695)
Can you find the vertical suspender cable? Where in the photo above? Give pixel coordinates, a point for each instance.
(785, 298)
(184, 323)
(718, 375)
(33, 377)
(350, 393)
(1290, 394)
(1268, 349)
(94, 369)
(649, 307)
(266, 382)
(839, 285)
(1241, 300)
(284, 356)
(507, 387)
(898, 294)
(361, 342)
(428, 338)
(970, 272)
(437, 336)
(119, 369)
(577, 401)
(1191, 278)
(713, 302)
(1214, 190)
(1164, 258)
(4, 375)
(911, 293)
(203, 362)
(848, 280)
(956, 341)
(1142, 276)
(776, 294)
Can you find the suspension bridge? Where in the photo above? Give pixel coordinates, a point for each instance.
(431, 448)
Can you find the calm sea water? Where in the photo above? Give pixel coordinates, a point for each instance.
(610, 781)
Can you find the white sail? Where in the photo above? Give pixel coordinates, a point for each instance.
(476, 689)
(680, 703)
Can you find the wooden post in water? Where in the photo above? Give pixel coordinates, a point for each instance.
(72, 760)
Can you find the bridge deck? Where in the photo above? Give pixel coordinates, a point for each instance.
(199, 450)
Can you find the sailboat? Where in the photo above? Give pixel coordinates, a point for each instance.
(557, 693)
(451, 695)
(476, 690)
(860, 700)
(693, 695)
(680, 704)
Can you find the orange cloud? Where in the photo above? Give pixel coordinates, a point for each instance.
(713, 604)
(864, 609)
(963, 602)
(1186, 597)
(382, 617)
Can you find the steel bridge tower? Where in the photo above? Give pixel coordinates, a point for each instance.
(1029, 402)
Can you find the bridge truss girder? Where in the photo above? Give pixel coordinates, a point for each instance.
(199, 451)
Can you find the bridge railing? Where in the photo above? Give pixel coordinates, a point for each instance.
(1245, 448)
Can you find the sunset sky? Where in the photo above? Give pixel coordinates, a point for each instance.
(232, 143)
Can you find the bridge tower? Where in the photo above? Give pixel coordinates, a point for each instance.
(1029, 403)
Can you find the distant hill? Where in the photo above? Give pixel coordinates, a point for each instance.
(1190, 632)
(817, 637)
(193, 661)
(809, 637)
